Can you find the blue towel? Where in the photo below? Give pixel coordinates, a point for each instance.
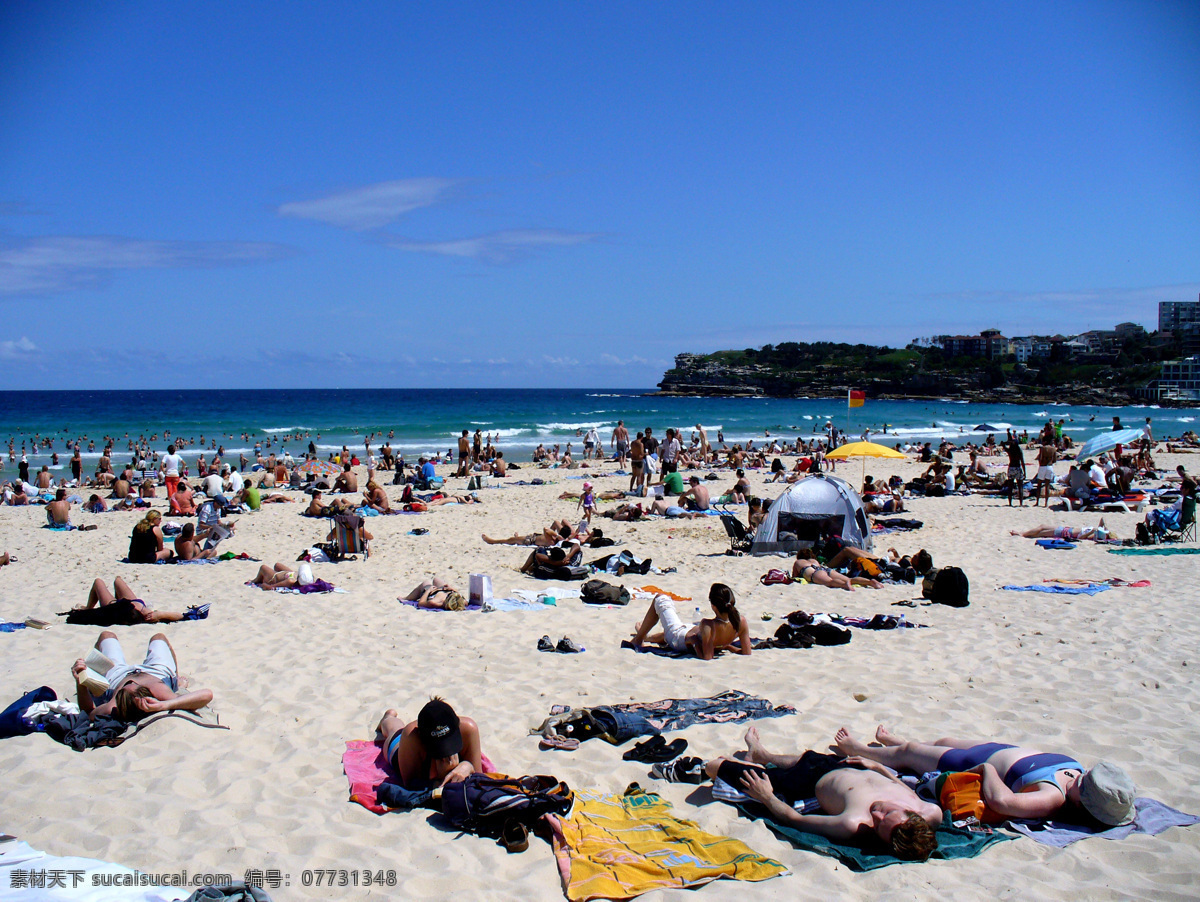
(1153, 817)
(11, 627)
(1060, 590)
(1054, 543)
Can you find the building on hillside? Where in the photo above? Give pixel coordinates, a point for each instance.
(1180, 379)
(988, 343)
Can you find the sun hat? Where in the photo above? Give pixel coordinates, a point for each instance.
(587, 485)
(437, 728)
(1107, 794)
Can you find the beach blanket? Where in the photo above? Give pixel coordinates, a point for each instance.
(316, 587)
(11, 627)
(1111, 581)
(1060, 590)
(953, 842)
(618, 847)
(1153, 817)
(473, 606)
(366, 768)
(515, 604)
(1155, 550)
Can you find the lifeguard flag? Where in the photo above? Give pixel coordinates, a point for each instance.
(857, 398)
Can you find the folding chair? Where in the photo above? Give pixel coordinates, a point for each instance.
(1187, 522)
(348, 540)
(739, 539)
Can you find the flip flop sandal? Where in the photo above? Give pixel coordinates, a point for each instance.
(665, 752)
(643, 748)
(562, 743)
(514, 836)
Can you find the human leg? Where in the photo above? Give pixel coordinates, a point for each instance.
(648, 623)
(916, 756)
(99, 594)
(121, 590)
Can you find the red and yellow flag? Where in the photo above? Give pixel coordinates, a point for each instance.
(856, 398)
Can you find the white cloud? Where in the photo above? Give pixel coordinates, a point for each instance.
(58, 263)
(497, 247)
(372, 206)
(560, 361)
(19, 348)
(613, 360)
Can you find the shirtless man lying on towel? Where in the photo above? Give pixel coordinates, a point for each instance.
(859, 798)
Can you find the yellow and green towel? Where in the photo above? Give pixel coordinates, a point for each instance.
(618, 847)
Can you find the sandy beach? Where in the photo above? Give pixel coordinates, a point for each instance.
(294, 677)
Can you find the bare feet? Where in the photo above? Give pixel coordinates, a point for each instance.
(755, 747)
(885, 737)
(847, 744)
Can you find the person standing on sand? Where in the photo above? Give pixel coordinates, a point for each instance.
(1016, 469)
(705, 448)
(637, 464)
(1047, 455)
(620, 438)
(464, 454)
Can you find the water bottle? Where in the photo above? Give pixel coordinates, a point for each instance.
(903, 624)
(696, 621)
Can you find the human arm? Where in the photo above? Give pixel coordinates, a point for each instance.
(744, 641)
(1039, 803)
(187, 701)
(82, 696)
(758, 788)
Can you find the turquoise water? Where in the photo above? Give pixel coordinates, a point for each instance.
(428, 420)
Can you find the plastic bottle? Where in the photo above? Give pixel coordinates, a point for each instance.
(696, 621)
(903, 624)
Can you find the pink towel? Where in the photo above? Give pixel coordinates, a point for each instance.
(366, 768)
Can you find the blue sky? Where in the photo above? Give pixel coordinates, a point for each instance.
(294, 194)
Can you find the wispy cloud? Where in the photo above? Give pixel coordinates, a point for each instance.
(372, 206)
(498, 247)
(22, 347)
(53, 264)
(614, 360)
(559, 361)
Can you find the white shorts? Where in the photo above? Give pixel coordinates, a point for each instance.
(159, 662)
(1046, 474)
(673, 629)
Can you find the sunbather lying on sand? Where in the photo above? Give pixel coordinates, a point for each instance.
(277, 577)
(551, 535)
(1017, 781)
(858, 797)
(711, 635)
(1098, 533)
(471, 498)
(137, 690)
(437, 593)
(673, 511)
(808, 567)
(437, 748)
(100, 595)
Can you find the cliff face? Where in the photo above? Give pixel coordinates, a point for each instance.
(709, 375)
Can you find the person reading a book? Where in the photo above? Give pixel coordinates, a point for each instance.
(437, 748)
(133, 690)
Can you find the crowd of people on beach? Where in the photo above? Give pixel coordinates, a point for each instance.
(860, 794)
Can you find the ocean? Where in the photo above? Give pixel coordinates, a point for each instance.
(429, 420)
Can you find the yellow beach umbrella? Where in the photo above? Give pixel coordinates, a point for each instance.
(863, 450)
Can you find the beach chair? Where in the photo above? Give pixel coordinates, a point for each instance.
(739, 539)
(348, 541)
(1187, 522)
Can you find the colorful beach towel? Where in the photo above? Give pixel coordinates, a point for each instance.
(365, 767)
(1155, 550)
(953, 842)
(618, 847)
(1054, 544)
(1060, 590)
(1153, 817)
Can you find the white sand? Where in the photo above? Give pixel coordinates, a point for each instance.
(1110, 676)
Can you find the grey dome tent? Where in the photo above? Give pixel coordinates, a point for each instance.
(815, 506)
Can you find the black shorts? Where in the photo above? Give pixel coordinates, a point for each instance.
(791, 783)
(670, 466)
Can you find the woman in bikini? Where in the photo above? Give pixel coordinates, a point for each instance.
(102, 597)
(437, 593)
(277, 577)
(703, 640)
(1017, 781)
(808, 567)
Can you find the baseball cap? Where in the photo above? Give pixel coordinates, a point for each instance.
(437, 728)
(1107, 794)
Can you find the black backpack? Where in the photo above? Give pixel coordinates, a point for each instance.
(481, 804)
(948, 586)
(597, 591)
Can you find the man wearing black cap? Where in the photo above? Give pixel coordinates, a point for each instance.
(437, 748)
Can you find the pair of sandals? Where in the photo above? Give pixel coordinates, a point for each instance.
(656, 749)
(565, 645)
